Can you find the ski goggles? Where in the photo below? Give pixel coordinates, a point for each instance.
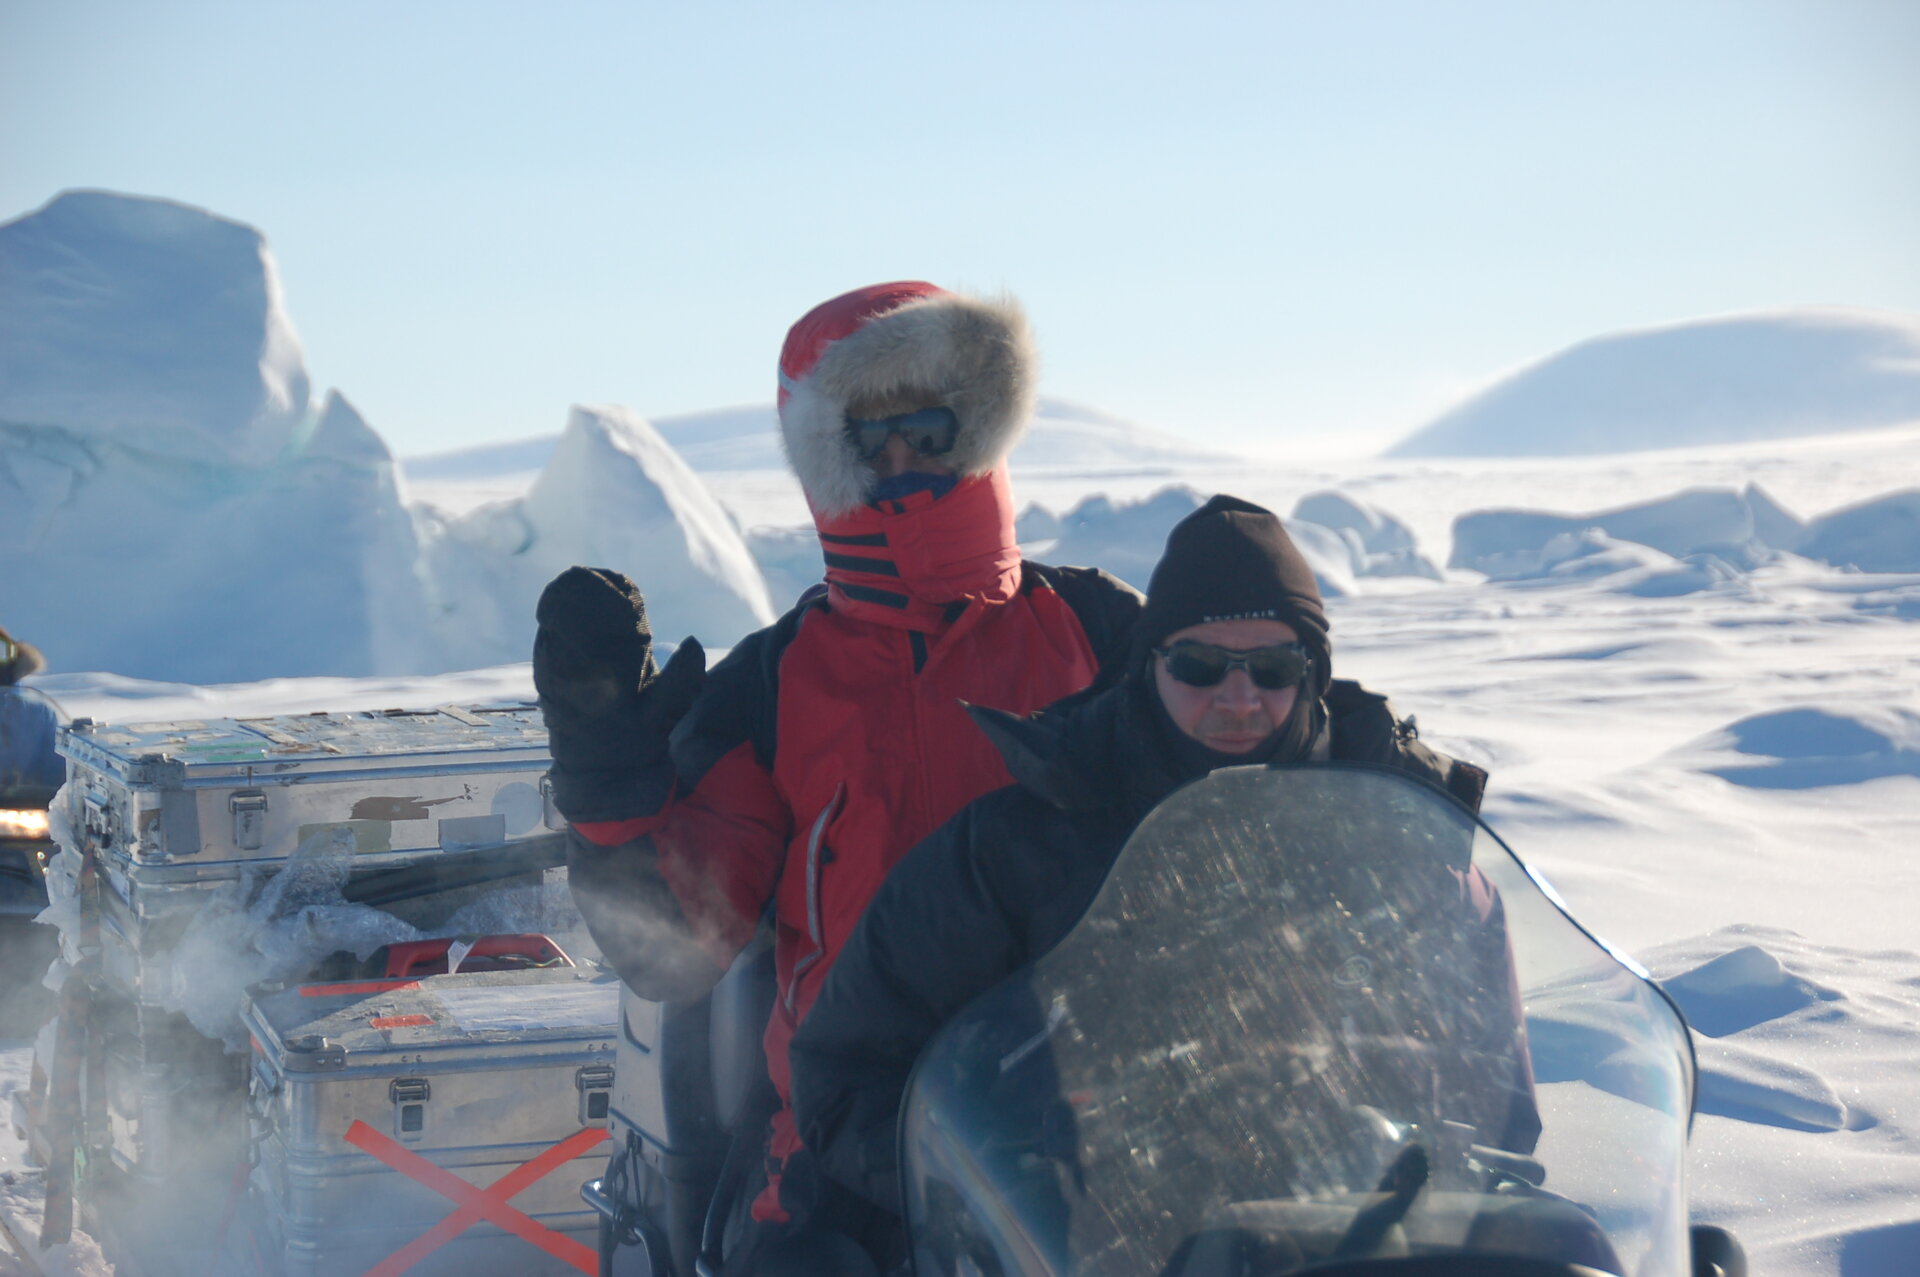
(1200, 664)
(931, 432)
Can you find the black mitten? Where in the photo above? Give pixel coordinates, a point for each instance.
(608, 710)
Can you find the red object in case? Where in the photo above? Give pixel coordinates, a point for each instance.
(489, 953)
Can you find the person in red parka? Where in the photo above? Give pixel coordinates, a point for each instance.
(799, 771)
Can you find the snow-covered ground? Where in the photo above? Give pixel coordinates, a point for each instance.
(1724, 779)
(1701, 715)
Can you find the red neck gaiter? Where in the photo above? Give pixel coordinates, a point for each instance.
(903, 562)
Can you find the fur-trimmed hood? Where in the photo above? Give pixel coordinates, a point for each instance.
(975, 354)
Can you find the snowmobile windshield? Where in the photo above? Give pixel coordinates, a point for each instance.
(1317, 1019)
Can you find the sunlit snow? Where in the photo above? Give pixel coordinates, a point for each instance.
(1693, 673)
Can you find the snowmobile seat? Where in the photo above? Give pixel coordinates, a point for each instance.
(743, 1095)
(676, 1192)
(742, 1003)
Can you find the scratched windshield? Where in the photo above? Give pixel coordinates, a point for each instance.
(1316, 1014)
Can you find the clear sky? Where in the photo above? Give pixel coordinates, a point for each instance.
(1246, 223)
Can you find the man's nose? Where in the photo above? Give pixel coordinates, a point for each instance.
(1236, 691)
(894, 458)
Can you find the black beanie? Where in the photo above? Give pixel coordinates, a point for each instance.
(1231, 560)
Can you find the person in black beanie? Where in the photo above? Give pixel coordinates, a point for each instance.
(1232, 582)
(1231, 664)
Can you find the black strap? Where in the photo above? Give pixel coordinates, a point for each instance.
(860, 563)
(867, 594)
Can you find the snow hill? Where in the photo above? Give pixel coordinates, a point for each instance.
(1766, 375)
(175, 505)
(1724, 780)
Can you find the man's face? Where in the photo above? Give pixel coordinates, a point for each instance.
(898, 457)
(1234, 716)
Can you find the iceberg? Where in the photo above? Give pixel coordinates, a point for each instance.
(615, 495)
(174, 506)
(153, 325)
(171, 504)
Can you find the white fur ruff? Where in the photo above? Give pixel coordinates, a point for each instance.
(974, 353)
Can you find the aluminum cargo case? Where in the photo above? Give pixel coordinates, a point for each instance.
(173, 1098)
(177, 810)
(478, 1074)
(208, 798)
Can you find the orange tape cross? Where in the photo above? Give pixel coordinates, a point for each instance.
(476, 1204)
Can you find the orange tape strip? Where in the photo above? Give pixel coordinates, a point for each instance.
(357, 986)
(400, 1021)
(476, 1204)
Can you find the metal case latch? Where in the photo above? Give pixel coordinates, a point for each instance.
(97, 821)
(595, 1084)
(249, 808)
(409, 1096)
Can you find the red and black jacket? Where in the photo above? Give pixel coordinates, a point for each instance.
(821, 749)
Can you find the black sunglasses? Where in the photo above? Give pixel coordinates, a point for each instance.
(931, 432)
(1200, 664)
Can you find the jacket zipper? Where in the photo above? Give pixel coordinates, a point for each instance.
(816, 925)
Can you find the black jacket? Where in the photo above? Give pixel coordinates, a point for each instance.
(1001, 883)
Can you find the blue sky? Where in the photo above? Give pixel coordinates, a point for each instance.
(1252, 224)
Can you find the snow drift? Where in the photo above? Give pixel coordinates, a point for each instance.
(1127, 538)
(1740, 528)
(1805, 747)
(1740, 525)
(1767, 375)
(1881, 535)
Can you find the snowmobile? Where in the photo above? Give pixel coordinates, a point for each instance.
(29, 777)
(1319, 1019)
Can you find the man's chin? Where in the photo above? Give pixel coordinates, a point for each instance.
(1236, 744)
